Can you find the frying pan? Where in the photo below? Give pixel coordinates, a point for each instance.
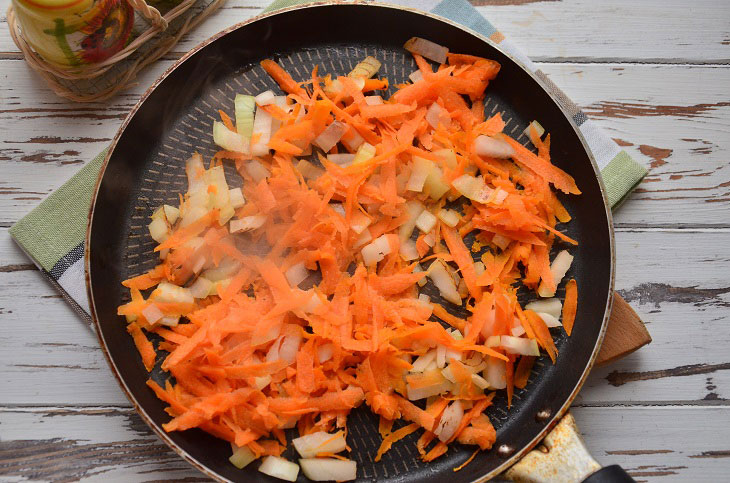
(173, 119)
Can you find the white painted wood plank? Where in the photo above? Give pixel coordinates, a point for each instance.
(657, 111)
(567, 30)
(113, 444)
(682, 293)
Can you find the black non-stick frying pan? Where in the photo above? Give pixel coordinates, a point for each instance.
(145, 169)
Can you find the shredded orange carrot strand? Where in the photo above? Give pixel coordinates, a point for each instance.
(570, 306)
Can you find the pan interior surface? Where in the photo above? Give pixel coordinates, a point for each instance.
(146, 169)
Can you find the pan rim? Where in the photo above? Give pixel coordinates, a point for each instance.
(553, 420)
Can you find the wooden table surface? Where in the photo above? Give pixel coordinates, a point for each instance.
(655, 74)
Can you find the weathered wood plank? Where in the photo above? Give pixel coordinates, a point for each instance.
(61, 444)
(655, 111)
(557, 30)
(681, 293)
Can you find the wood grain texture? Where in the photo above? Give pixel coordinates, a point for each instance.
(625, 333)
(653, 74)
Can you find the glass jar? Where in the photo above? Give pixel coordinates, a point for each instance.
(75, 33)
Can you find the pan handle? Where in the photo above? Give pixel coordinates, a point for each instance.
(562, 456)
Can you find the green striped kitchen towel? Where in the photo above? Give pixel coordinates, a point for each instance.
(53, 233)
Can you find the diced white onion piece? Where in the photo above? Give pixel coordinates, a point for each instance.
(376, 251)
(338, 208)
(496, 373)
(420, 169)
(430, 383)
(227, 139)
(152, 313)
(456, 334)
(559, 267)
(440, 356)
(279, 468)
(330, 136)
(472, 187)
(257, 170)
(241, 457)
(366, 68)
(344, 159)
(449, 217)
(498, 196)
(365, 237)
(247, 223)
(225, 269)
(296, 274)
(201, 288)
(325, 352)
(310, 445)
(365, 152)
(312, 304)
(416, 76)
(263, 124)
(492, 341)
(414, 209)
(492, 147)
(373, 100)
(479, 381)
(158, 230)
(551, 306)
(170, 320)
(426, 48)
(261, 382)
(448, 156)
(435, 115)
(448, 374)
(429, 239)
(419, 268)
(517, 330)
(171, 213)
(199, 264)
(194, 170)
(289, 347)
(549, 320)
(538, 128)
(479, 268)
(420, 364)
(359, 222)
(170, 293)
(235, 196)
(441, 277)
(435, 183)
(449, 422)
(426, 221)
(501, 241)
(408, 250)
(519, 345)
(422, 297)
(328, 469)
(272, 355)
(354, 141)
(308, 170)
(244, 108)
(265, 98)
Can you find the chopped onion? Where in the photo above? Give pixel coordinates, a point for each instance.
(289, 347)
(199, 264)
(419, 268)
(330, 136)
(152, 313)
(265, 98)
(272, 355)
(443, 281)
(373, 100)
(549, 306)
(225, 269)
(296, 274)
(338, 208)
(436, 115)
(244, 107)
(312, 304)
(420, 364)
(559, 267)
(449, 217)
(426, 384)
(171, 213)
(201, 288)
(247, 223)
(517, 330)
(328, 469)
(279, 468)
(359, 222)
(325, 353)
(492, 341)
(170, 293)
(261, 382)
(549, 320)
(492, 147)
(479, 268)
(262, 127)
(227, 139)
(414, 209)
(235, 195)
(449, 422)
(448, 156)
(364, 153)
(194, 169)
(538, 128)
(416, 76)
(310, 445)
(472, 187)
(408, 250)
(426, 221)
(366, 68)
(241, 457)
(420, 169)
(308, 170)
(440, 356)
(365, 237)
(376, 251)
(519, 345)
(158, 230)
(353, 141)
(429, 239)
(427, 49)
(435, 183)
(498, 196)
(479, 381)
(170, 320)
(257, 170)
(344, 159)
(496, 373)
